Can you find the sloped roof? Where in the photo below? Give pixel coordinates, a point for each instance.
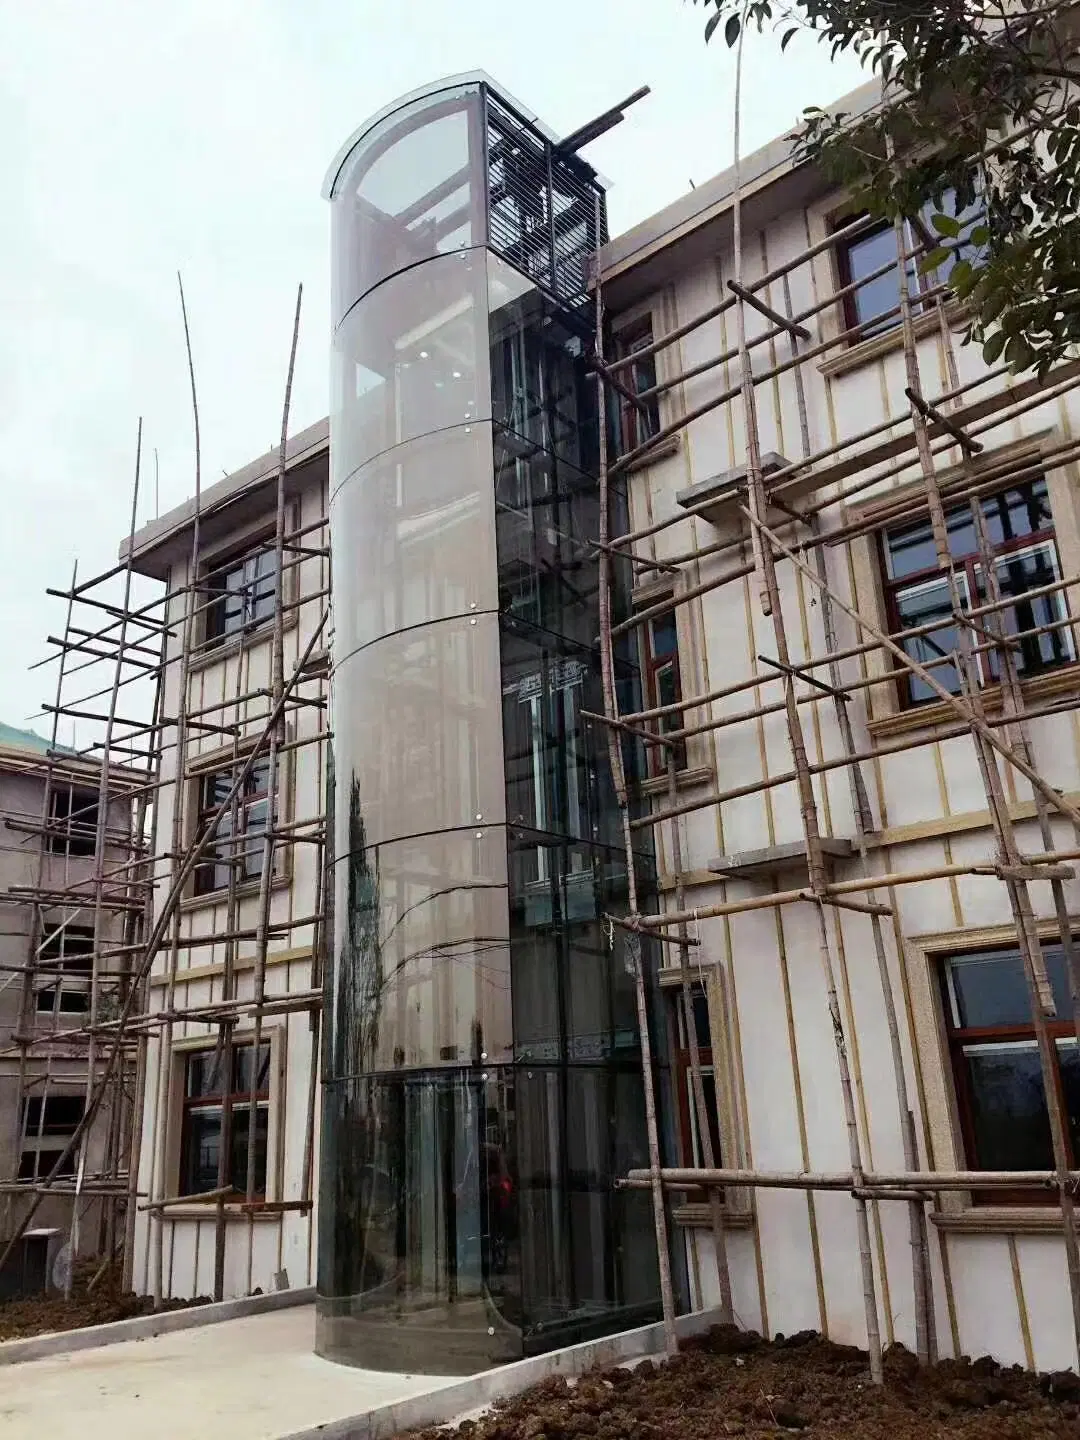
(13, 739)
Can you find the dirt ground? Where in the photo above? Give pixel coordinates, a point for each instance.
(42, 1314)
(733, 1383)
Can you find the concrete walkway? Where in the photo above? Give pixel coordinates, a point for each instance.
(250, 1379)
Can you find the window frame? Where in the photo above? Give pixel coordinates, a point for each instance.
(634, 428)
(232, 845)
(687, 1132)
(44, 1140)
(969, 564)
(217, 1101)
(67, 836)
(920, 283)
(53, 950)
(956, 1037)
(653, 664)
(220, 565)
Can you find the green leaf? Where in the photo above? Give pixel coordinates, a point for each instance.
(980, 235)
(787, 37)
(993, 347)
(934, 259)
(962, 277)
(731, 29)
(946, 225)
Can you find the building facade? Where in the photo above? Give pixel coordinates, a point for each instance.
(481, 1079)
(969, 1053)
(220, 603)
(49, 808)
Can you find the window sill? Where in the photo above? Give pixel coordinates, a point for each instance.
(242, 892)
(1063, 681)
(205, 656)
(1000, 1220)
(663, 451)
(686, 779)
(878, 345)
(698, 1215)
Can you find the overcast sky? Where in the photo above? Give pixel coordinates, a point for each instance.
(145, 136)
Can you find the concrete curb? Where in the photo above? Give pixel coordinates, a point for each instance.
(144, 1327)
(458, 1397)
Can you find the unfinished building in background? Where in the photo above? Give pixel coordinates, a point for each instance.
(55, 916)
(729, 745)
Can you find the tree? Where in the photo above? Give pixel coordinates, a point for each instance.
(979, 119)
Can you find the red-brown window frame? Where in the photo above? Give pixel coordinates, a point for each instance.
(652, 665)
(233, 1099)
(682, 1075)
(969, 564)
(956, 1039)
(635, 427)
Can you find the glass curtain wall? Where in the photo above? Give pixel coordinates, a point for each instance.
(482, 1084)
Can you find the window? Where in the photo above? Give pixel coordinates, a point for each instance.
(866, 251)
(48, 1123)
(995, 1063)
(663, 686)
(636, 425)
(70, 950)
(1021, 532)
(73, 818)
(240, 594)
(691, 1150)
(205, 1101)
(244, 850)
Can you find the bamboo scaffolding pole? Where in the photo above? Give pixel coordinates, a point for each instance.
(925, 1337)
(103, 806)
(770, 602)
(277, 737)
(632, 941)
(701, 1109)
(223, 1054)
(165, 1040)
(925, 1181)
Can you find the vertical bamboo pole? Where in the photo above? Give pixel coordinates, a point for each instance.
(101, 828)
(223, 1052)
(701, 1108)
(632, 940)
(769, 595)
(277, 738)
(925, 1336)
(191, 592)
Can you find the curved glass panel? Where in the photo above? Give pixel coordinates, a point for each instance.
(418, 1223)
(418, 732)
(417, 526)
(421, 969)
(410, 359)
(410, 189)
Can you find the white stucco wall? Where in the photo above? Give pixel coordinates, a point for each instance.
(999, 1278)
(275, 1241)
